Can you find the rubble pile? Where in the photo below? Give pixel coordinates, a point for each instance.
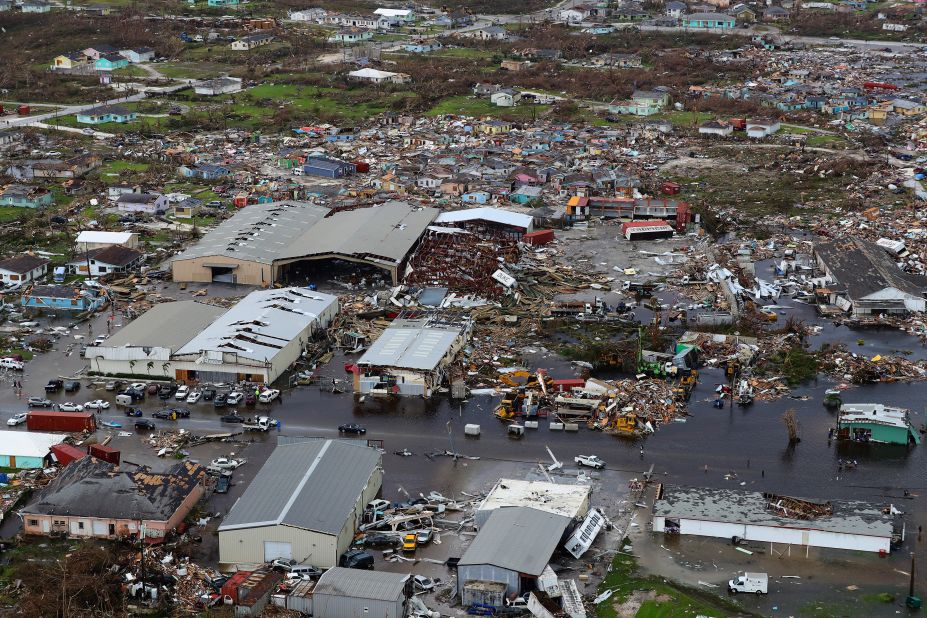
(856, 369)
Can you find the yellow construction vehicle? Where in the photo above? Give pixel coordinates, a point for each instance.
(510, 405)
(625, 425)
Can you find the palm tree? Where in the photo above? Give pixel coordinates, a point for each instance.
(149, 366)
(165, 367)
(131, 366)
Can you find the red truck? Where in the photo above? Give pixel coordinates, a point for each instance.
(61, 421)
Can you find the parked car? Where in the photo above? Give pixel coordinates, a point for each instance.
(11, 363)
(352, 428)
(409, 542)
(182, 392)
(194, 397)
(17, 419)
(70, 406)
(39, 402)
(292, 567)
(153, 389)
(134, 393)
(356, 559)
(96, 404)
(223, 483)
(209, 394)
(268, 395)
(144, 425)
(234, 398)
(111, 385)
(423, 537)
(250, 398)
(381, 541)
(165, 392)
(71, 386)
(422, 583)
(590, 461)
(232, 418)
(220, 401)
(225, 463)
(54, 386)
(136, 412)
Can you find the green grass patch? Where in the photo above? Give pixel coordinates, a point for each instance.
(131, 71)
(671, 601)
(463, 52)
(26, 354)
(826, 141)
(192, 70)
(472, 106)
(11, 213)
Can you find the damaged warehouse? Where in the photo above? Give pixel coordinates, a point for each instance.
(272, 243)
(412, 356)
(256, 340)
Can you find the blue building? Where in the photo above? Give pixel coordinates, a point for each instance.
(111, 62)
(422, 47)
(26, 450)
(709, 20)
(328, 168)
(25, 196)
(475, 197)
(206, 171)
(61, 298)
(108, 113)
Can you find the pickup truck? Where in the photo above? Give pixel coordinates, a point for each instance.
(54, 386)
(261, 423)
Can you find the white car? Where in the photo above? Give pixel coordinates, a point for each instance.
(590, 461)
(182, 392)
(138, 386)
(96, 404)
(194, 397)
(422, 583)
(268, 395)
(17, 419)
(234, 398)
(11, 363)
(70, 406)
(225, 463)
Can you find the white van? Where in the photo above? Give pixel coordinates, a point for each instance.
(124, 400)
(269, 395)
(757, 583)
(11, 363)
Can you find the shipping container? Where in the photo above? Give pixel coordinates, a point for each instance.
(362, 167)
(106, 453)
(61, 421)
(23, 110)
(65, 453)
(230, 587)
(541, 237)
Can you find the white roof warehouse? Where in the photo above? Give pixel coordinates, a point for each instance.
(256, 340)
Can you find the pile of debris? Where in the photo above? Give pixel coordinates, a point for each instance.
(856, 369)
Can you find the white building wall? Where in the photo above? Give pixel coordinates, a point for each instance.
(857, 542)
(244, 548)
(773, 534)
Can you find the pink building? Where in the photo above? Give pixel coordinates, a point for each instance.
(93, 498)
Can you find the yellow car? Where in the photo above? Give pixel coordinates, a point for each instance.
(409, 542)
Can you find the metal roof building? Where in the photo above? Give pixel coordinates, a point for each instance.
(152, 338)
(261, 336)
(265, 243)
(515, 543)
(348, 593)
(409, 357)
(755, 516)
(20, 449)
(571, 501)
(305, 503)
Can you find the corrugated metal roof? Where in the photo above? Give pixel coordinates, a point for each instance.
(166, 325)
(412, 344)
(520, 539)
(361, 584)
(313, 484)
(27, 444)
(495, 215)
(262, 323)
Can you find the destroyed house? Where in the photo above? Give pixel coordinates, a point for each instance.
(137, 504)
(412, 356)
(513, 548)
(104, 261)
(864, 280)
(60, 298)
(25, 196)
(634, 209)
(260, 246)
(755, 516)
(492, 220)
(305, 503)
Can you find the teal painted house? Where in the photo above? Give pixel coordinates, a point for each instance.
(875, 422)
(222, 2)
(111, 62)
(709, 20)
(24, 196)
(26, 449)
(108, 113)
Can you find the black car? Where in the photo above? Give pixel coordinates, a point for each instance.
(144, 424)
(136, 394)
(209, 394)
(352, 428)
(356, 559)
(220, 401)
(71, 386)
(54, 386)
(136, 412)
(381, 541)
(181, 412)
(232, 418)
(223, 483)
(166, 391)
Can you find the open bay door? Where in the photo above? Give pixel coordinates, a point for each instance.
(276, 549)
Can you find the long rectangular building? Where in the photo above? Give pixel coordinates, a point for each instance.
(189, 341)
(267, 243)
(755, 516)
